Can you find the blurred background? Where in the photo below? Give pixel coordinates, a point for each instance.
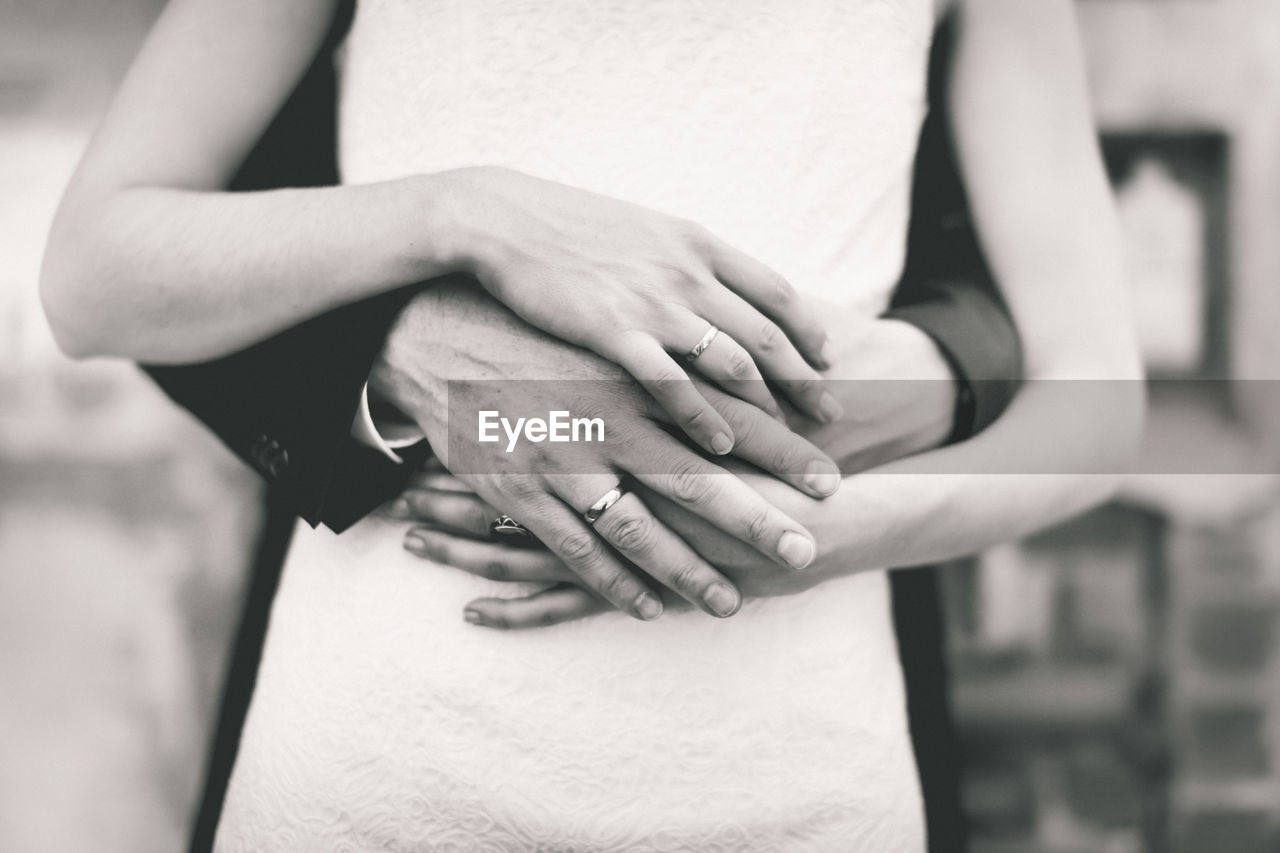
(1117, 679)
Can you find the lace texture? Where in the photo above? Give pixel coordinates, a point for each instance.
(382, 721)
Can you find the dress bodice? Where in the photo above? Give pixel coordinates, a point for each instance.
(381, 720)
(788, 127)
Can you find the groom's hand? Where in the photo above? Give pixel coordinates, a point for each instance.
(453, 337)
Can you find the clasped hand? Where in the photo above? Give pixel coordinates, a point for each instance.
(454, 349)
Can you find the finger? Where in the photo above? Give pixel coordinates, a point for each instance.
(773, 353)
(724, 362)
(567, 535)
(774, 448)
(551, 606)
(456, 511)
(773, 295)
(771, 446)
(721, 498)
(646, 360)
(636, 534)
(487, 559)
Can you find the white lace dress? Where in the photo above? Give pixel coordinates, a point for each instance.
(382, 721)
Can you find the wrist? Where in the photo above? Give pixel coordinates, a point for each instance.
(899, 382)
(837, 539)
(403, 375)
(938, 387)
(471, 208)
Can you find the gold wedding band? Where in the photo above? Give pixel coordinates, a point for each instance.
(702, 345)
(598, 508)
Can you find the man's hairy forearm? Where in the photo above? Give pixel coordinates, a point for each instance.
(170, 275)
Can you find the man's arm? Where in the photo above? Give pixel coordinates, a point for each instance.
(947, 345)
(285, 405)
(947, 290)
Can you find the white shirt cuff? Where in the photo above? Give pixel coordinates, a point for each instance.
(387, 438)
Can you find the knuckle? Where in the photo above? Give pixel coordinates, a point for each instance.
(805, 386)
(667, 374)
(613, 585)
(782, 293)
(633, 534)
(769, 337)
(685, 577)
(496, 570)
(444, 551)
(784, 458)
(541, 457)
(689, 484)
(477, 519)
(812, 332)
(755, 524)
(694, 419)
(695, 233)
(419, 502)
(748, 423)
(578, 547)
(515, 484)
(741, 366)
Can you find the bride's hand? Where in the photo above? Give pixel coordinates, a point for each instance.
(635, 286)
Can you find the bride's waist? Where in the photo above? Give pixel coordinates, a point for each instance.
(367, 568)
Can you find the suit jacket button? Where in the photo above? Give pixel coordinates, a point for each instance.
(279, 462)
(269, 457)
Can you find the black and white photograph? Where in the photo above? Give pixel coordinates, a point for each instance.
(640, 426)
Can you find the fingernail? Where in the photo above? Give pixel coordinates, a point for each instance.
(797, 550)
(721, 444)
(827, 356)
(722, 600)
(830, 407)
(648, 606)
(822, 478)
(415, 543)
(399, 508)
(473, 617)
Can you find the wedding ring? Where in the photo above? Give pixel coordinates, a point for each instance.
(507, 527)
(702, 345)
(598, 508)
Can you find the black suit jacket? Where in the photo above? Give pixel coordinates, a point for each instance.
(286, 405)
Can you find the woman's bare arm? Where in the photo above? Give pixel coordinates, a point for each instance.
(1043, 207)
(150, 259)
(1044, 213)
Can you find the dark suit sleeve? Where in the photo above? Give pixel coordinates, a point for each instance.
(285, 405)
(947, 289)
